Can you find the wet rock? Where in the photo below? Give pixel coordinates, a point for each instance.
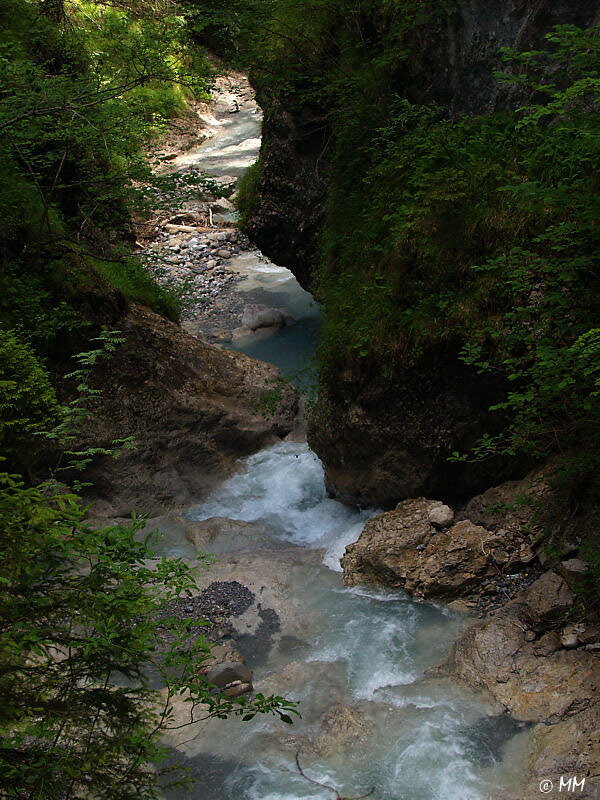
(211, 614)
(398, 549)
(569, 748)
(257, 316)
(534, 681)
(220, 654)
(342, 727)
(221, 535)
(225, 674)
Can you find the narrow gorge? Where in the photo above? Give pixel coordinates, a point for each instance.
(467, 692)
(299, 393)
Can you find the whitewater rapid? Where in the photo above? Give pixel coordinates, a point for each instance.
(365, 649)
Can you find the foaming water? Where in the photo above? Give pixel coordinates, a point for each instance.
(363, 650)
(283, 486)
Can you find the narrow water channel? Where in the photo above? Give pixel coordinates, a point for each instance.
(354, 658)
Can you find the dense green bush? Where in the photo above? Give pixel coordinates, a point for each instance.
(483, 231)
(84, 639)
(28, 402)
(83, 90)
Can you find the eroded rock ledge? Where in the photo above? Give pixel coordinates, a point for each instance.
(192, 409)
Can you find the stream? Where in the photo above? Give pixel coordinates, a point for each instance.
(355, 658)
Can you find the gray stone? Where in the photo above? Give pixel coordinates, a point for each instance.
(573, 568)
(548, 599)
(257, 316)
(222, 204)
(224, 253)
(569, 640)
(589, 634)
(547, 644)
(229, 672)
(441, 516)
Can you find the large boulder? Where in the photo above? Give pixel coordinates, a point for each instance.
(385, 435)
(223, 675)
(539, 510)
(192, 409)
(512, 657)
(256, 316)
(343, 728)
(516, 657)
(408, 549)
(569, 749)
(547, 600)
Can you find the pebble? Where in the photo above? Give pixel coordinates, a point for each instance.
(569, 640)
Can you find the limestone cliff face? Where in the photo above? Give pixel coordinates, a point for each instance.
(383, 439)
(293, 188)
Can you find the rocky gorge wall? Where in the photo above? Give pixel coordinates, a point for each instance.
(191, 409)
(385, 434)
(452, 63)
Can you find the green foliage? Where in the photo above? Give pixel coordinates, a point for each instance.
(83, 640)
(478, 233)
(83, 89)
(81, 645)
(28, 402)
(589, 585)
(248, 191)
(75, 413)
(129, 277)
(546, 337)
